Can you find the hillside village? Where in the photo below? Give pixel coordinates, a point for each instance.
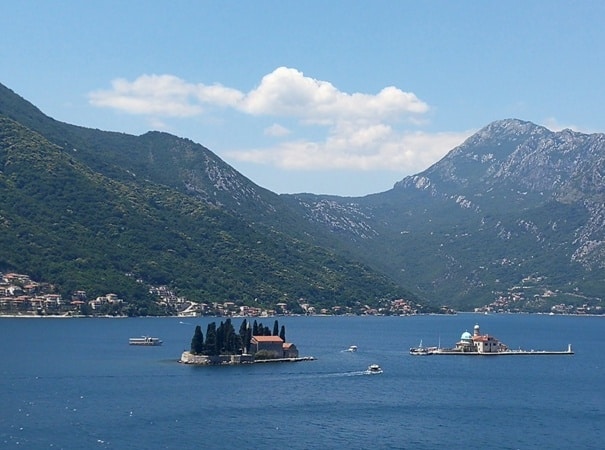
(530, 296)
(20, 295)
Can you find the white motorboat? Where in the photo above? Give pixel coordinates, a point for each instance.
(374, 368)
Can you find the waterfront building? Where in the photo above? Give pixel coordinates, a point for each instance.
(479, 343)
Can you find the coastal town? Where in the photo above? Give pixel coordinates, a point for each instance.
(529, 297)
(22, 296)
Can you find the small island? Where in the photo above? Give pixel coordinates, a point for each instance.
(253, 344)
(486, 345)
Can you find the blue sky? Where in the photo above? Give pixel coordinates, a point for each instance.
(328, 97)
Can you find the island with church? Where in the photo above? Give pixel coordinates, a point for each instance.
(254, 343)
(478, 344)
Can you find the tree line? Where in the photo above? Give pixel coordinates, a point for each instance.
(223, 340)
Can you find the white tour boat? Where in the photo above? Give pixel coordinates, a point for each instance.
(145, 340)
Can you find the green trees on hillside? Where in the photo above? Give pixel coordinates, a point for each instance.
(87, 210)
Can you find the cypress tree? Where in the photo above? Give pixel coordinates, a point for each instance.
(243, 327)
(211, 341)
(235, 343)
(248, 339)
(282, 333)
(275, 328)
(243, 332)
(220, 338)
(197, 342)
(229, 342)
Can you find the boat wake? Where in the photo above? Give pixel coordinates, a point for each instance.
(351, 349)
(355, 373)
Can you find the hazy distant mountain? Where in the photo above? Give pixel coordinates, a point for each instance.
(97, 211)
(516, 211)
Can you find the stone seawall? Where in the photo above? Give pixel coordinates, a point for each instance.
(203, 360)
(190, 358)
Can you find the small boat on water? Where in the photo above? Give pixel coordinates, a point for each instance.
(352, 348)
(145, 340)
(374, 368)
(421, 350)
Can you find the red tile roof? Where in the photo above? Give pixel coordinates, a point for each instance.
(267, 338)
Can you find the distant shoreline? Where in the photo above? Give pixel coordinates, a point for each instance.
(79, 316)
(63, 316)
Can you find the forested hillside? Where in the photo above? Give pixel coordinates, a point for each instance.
(83, 218)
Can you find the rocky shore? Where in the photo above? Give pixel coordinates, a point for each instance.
(203, 360)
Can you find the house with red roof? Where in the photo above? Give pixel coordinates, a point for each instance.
(274, 346)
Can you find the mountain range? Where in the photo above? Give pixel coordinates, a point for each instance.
(513, 218)
(100, 212)
(515, 215)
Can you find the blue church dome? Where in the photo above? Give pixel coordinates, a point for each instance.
(466, 336)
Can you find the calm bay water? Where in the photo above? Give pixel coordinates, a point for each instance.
(76, 383)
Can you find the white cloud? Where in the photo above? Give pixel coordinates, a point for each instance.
(218, 95)
(362, 131)
(163, 95)
(554, 125)
(150, 95)
(276, 130)
(283, 92)
(375, 148)
(288, 92)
